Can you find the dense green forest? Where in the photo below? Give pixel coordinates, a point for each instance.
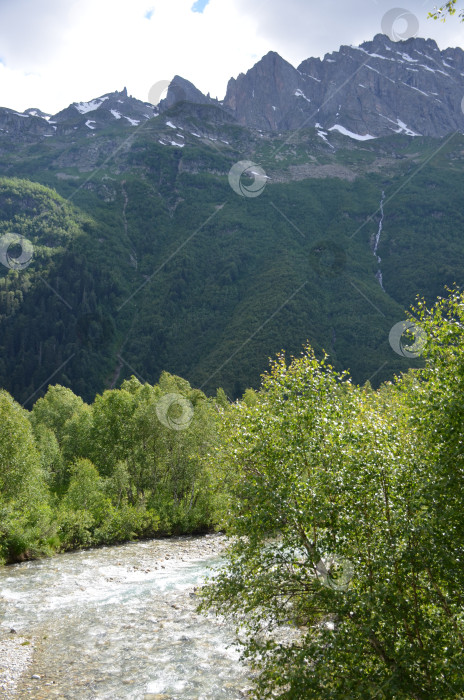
(343, 503)
(133, 464)
(153, 252)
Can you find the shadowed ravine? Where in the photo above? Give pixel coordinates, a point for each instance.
(120, 622)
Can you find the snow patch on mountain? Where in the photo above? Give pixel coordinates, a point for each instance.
(414, 88)
(431, 70)
(84, 107)
(407, 57)
(372, 55)
(322, 133)
(300, 93)
(351, 134)
(405, 129)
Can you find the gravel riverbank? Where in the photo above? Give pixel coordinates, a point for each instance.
(15, 659)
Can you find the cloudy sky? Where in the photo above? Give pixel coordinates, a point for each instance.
(54, 52)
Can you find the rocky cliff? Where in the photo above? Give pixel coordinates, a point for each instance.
(379, 88)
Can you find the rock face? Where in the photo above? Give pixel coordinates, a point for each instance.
(379, 88)
(268, 96)
(23, 127)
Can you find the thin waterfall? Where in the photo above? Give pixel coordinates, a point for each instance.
(378, 274)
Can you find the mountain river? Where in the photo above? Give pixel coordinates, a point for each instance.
(120, 622)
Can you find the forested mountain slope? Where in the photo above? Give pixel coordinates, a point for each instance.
(145, 258)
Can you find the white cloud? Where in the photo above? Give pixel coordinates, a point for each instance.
(31, 33)
(299, 29)
(60, 51)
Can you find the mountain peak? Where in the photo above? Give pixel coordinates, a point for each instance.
(273, 56)
(35, 112)
(182, 90)
(418, 43)
(258, 97)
